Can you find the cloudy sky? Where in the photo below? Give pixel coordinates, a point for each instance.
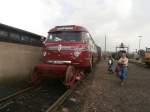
(119, 20)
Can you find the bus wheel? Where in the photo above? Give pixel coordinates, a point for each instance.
(70, 76)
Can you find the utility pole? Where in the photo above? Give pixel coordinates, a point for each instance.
(140, 41)
(105, 43)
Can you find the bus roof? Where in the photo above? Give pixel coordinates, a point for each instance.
(68, 28)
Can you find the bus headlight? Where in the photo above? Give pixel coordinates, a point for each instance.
(77, 53)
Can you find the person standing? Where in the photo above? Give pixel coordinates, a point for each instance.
(110, 64)
(123, 69)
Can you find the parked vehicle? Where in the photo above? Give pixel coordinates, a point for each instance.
(121, 49)
(147, 56)
(68, 52)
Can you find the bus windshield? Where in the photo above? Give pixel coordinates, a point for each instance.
(64, 36)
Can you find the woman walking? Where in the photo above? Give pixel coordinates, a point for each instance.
(123, 62)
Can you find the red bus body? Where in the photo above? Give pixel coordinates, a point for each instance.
(64, 46)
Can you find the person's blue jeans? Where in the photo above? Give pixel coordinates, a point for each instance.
(123, 72)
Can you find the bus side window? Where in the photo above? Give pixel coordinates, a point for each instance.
(85, 37)
(92, 43)
(89, 39)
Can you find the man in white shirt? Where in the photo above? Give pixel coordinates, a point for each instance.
(123, 61)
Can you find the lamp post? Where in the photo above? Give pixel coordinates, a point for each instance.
(105, 44)
(140, 41)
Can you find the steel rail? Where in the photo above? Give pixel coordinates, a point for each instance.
(15, 94)
(61, 99)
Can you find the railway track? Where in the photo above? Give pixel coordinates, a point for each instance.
(60, 100)
(28, 99)
(15, 94)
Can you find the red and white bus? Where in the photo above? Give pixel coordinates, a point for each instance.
(67, 51)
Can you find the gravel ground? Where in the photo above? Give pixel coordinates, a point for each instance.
(10, 88)
(103, 92)
(99, 92)
(37, 100)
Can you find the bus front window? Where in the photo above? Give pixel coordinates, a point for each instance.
(64, 36)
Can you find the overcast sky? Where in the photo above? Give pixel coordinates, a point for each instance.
(119, 20)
